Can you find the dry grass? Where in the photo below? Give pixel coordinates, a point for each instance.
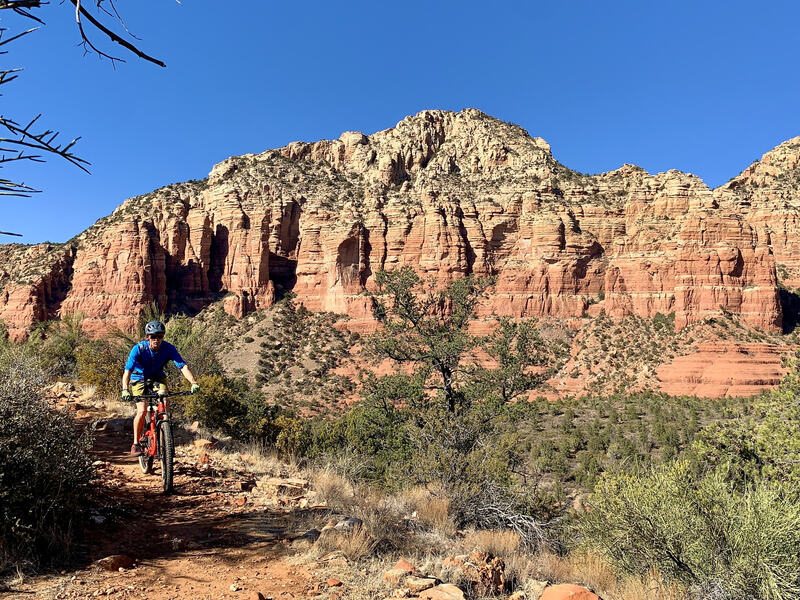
(596, 573)
(650, 587)
(502, 543)
(333, 488)
(355, 544)
(432, 509)
(592, 571)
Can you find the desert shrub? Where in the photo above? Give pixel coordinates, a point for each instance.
(218, 405)
(45, 468)
(196, 345)
(56, 342)
(701, 532)
(761, 445)
(294, 436)
(100, 363)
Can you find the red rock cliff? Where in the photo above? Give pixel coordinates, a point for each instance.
(450, 194)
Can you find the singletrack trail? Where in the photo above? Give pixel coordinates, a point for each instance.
(208, 540)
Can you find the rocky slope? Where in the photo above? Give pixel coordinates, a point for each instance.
(450, 194)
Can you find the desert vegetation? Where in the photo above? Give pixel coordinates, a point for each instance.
(623, 492)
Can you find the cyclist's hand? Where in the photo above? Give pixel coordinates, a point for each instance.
(195, 388)
(126, 394)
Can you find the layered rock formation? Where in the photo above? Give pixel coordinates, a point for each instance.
(719, 369)
(767, 194)
(450, 194)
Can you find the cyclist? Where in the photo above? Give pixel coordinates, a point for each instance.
(146, 361)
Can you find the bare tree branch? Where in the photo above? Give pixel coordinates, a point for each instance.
(79, 10)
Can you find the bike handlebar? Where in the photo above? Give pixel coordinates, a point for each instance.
(169, 395)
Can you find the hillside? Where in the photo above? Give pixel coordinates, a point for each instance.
(451, 194)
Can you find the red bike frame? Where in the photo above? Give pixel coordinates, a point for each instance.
(149, 438)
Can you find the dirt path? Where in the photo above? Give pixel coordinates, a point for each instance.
(209, 540)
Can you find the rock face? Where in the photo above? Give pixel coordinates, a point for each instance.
(767, 194)
(724, 369)
(450, 194)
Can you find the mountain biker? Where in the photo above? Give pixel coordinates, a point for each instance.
(146, 361)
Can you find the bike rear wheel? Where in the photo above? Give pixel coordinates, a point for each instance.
(167, 448)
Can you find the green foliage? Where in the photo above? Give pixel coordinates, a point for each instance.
(218, 405)
(661, 321)
(195, 344)
(441, 420)
(763, 444)
(100, 363)
(721, 541)
(45, 468)
(427, 327)
(55, 343)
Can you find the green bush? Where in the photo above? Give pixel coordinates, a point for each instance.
(55, 343)
(100, 364)
(722, 542)
(45, 468)
(218, 404)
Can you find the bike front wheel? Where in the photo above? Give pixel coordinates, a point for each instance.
(167, 448)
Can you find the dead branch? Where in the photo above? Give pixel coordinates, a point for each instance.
(81, 11)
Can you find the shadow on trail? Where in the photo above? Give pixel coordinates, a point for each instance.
(200, 517)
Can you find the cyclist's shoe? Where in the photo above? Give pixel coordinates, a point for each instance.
(136, 450)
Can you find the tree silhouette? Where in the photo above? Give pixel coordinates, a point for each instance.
(28, 140)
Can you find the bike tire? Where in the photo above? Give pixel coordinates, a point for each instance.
(146, 464)
(167, 448)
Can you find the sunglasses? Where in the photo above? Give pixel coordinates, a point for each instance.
(155, 337)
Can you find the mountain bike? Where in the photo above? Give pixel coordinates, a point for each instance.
(156, 440)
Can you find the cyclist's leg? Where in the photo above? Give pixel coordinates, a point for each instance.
(137, 389)
(160, 387)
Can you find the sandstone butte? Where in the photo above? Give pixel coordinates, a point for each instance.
(450, 194)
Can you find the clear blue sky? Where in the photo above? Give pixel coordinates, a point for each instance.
(705, 87)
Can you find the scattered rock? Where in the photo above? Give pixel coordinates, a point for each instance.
(567, 591)
(518, 595)
(203, 444)
(536, 588)
(486, 572)
(234, 587)
(255, 596)
(455, 562)
(312, 535)
(348, 524)
(178, 544)
(204, 459)
(115, 562)
(404, 564)
(194, 427)
(418, 584)
(116, 425)
(247, 485)
(396, 574)
(333, 582)
(292, 487)
(97, 519)
(62, 388)
(241, 501)
(446, 591)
